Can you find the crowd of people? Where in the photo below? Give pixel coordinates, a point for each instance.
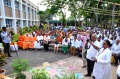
(96, 47)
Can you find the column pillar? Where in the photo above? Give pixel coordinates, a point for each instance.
(21, 15)
(3, 22)
(14, 16)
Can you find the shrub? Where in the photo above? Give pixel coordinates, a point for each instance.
(40, 74)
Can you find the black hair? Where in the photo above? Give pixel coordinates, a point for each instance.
(4, 27)
(108, 43)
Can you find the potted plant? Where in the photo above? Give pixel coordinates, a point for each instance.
(2, 63)
(19, 65)
(71, 76)
(40, 74)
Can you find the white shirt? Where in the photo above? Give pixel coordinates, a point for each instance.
(5, 37)
(118, 71)
(64, 42)
(80, 43)
(91, 52)
(115, 48)
(39, 38)
(75, 43)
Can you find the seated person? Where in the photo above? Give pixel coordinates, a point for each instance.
(79, 49)
(46, 40)
(20, 40)
(74, 46)
(26, 42)
(32, 40)
(38, 42)
(65, 44)
(116, 51)
(13, 46)
(58, 42)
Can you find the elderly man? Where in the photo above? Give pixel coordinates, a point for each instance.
(91, 52)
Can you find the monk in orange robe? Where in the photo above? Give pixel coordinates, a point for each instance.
(26, 42)
(32, 40)
(20, 40)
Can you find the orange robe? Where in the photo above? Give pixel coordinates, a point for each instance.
(26, 42)
(32, 40)
(20, 41)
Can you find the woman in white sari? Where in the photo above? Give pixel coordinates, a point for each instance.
(102, 67)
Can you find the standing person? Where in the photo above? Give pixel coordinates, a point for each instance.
(84, 41)
(102, 67)
(6, 41)
(91, 52)
(118, 72)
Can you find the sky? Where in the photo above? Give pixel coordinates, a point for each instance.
(43, 8)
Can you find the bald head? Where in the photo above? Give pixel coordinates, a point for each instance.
(94, 37)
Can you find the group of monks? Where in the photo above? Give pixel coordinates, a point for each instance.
(26, 41)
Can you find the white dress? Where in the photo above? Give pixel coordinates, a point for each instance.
(102, 68)
(37, 45)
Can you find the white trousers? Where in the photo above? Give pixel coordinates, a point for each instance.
(14, 47)
(83, 56)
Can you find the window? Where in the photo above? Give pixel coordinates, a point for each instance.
(16, 5)
(18, 23)
(28, 23)
(32, 11)
(24, 23)
(28, 10)
(8, 23)
(23, 8)
(7, 3)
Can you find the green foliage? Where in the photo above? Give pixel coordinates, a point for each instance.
(2, 60)
(40, 74)
(20, 65)
(79, 28)
(21, 76)
(71, 76)
(15, 37)
(45, 26)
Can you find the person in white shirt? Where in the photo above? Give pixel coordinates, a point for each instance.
(116, 51)
(65, 44)
(74, 45)
(46, 40)
(79, 49)
(37, 44)
(118, 72)
(102, 66)
(91, 52)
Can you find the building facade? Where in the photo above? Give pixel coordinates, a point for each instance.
(18, 13)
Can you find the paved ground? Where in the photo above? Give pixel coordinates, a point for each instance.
(37, 57)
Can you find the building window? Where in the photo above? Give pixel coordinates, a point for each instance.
(16, 5)
(23, 8)
(28, 10)
(7, 3)
(32, 11)
(18, 23)
(28, 23)
(8, 23)
(24, 23)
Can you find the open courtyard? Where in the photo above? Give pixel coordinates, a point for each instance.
(59, 63)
